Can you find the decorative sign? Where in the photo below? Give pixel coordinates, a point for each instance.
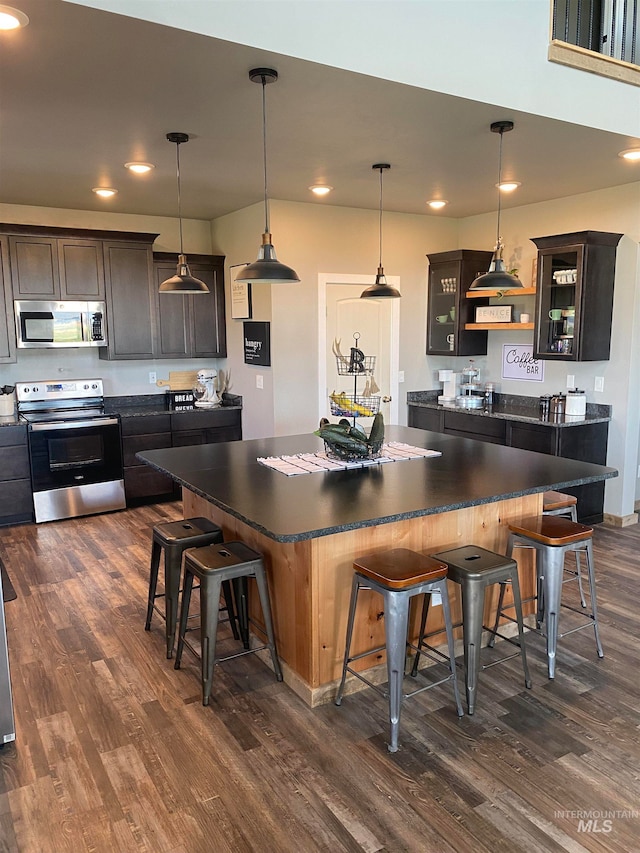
(494, 313)
(257, 343)
(518, 363)
(240, 300)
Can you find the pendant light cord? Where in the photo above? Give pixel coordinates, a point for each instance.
(179, 202)
(499, 190)
(264, 150)
(381, 170)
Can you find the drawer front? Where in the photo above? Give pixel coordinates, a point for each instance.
(204, 419)
(136, 443)
(146, 424)
(474, 426)
(229, 433)
(14, 464)
(13, 435)
(16, 501)
(431, 419)
(189, 437)
(144, 482)
(531, 437)
(489, 439)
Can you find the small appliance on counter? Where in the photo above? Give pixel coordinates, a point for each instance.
(7, 401)
(576, 405)
(205, 389)
(449, 381)
(471, 391)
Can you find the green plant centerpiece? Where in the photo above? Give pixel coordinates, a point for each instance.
(348, 442)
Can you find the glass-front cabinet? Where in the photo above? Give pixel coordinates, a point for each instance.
(448, 310)
(575, 295)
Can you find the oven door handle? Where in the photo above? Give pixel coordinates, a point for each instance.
(92, 422)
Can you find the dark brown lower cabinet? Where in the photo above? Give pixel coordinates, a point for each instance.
(172, 429)
(16, 501)
(145, 432)
(586, 442)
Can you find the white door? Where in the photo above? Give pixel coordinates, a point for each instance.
(371, 326)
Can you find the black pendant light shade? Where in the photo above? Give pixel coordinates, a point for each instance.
(380, 290)
(497, 277)
(182, 281)
(266, 269)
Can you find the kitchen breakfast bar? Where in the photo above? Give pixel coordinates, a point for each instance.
(310, 527)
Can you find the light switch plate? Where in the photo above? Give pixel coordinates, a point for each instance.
(598, 384)
(259, 381)
(571, 380)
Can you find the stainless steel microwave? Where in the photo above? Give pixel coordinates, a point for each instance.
(60, 324)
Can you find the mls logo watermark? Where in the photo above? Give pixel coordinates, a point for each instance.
(597, 821)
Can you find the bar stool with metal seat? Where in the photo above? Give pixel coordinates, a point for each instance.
(553, 537)
(215, 565)
(173, 538)
(559, 503)
(398, 575)
(475, 569)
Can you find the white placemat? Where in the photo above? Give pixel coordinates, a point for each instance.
(312, 463)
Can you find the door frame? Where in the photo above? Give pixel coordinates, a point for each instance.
(326, 279)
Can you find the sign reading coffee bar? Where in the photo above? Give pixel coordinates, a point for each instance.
(518, 363)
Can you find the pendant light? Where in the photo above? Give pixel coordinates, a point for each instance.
(182, 281)
(266, 269)
(380, 290)
(497, 278)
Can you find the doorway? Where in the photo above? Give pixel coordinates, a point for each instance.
(341, 315)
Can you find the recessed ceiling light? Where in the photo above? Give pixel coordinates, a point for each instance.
(12, 19)
(437, 203)
(105, 192)
(632, 154)
(509, 186)
(321, 189)
(139, 168)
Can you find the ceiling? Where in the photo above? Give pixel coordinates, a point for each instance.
(84, 91)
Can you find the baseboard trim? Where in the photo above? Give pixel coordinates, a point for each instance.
(621, 520)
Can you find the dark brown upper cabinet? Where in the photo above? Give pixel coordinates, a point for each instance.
(191, 326)
(7, 327)
(574, 300)
(448, 310)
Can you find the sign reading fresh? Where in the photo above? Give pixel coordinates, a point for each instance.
(518, 363)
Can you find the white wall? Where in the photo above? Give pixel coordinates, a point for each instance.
(493, 51)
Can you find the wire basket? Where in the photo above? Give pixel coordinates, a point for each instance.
(363, 368)
(351, 406)
(340, 453)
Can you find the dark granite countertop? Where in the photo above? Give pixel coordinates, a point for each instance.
(158, 404)
(290, 509)
(513, 408)
(10, 420)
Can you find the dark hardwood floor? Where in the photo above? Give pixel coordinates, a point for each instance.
(115, 751)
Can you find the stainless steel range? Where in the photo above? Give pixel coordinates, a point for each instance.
(75, 448)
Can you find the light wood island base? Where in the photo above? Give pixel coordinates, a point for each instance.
(310, 583)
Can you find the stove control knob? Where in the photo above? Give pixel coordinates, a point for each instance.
(86, 387)
(35, 389)
(94, 386)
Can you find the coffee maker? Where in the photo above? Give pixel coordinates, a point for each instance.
(205, 391)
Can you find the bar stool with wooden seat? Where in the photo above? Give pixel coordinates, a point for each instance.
(553, 537)
(475, 569)
(172, 538)
(559, 503)
(213, 566)
(398, 575)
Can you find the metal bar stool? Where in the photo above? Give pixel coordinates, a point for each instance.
(475, 569)
(398, 575)
(215, 565)
(558, 503)
(173, 538)
(553, 537)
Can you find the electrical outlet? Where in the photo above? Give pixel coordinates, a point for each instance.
(598, 384)
(401, 376)
(571, 380)
(259, 380)
(153, 377)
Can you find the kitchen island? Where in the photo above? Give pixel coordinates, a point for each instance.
(310, 527)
